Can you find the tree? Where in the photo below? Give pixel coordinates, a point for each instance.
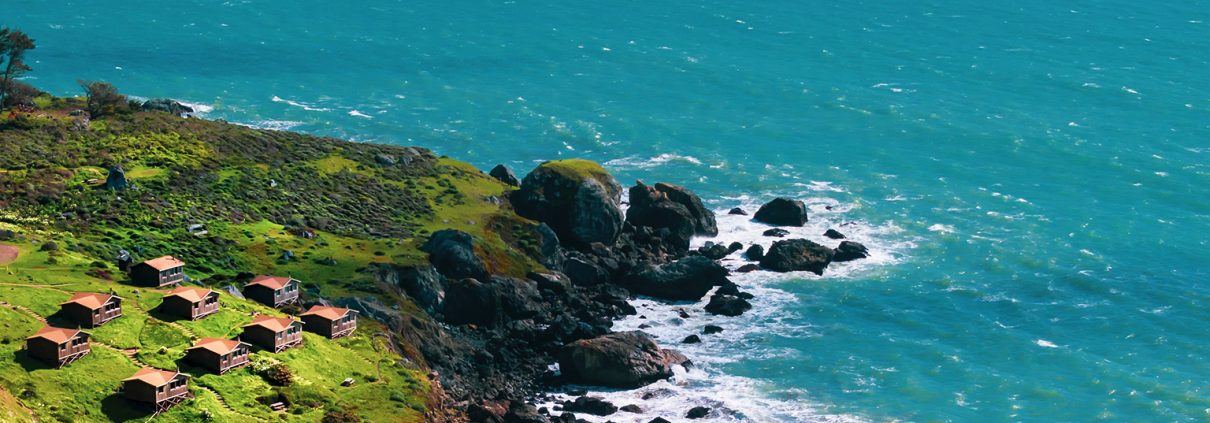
(13, 45)
(103, 98)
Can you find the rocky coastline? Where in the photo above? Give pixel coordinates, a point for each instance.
(498, 336)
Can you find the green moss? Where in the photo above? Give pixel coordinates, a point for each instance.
(577, 169)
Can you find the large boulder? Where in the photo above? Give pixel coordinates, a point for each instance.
(469, 301)
(849, 251)
(452, 252)
(782, 212)
(617, 360)
(689, 278)
(797, 255)
(727, 305)
(673, 207)
(422, 283)
(166, 105)
(503, 174)
(577, 198)
(117, 179)
(519, 298)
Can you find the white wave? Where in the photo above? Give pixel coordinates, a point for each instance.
(199, 109)
(1045, 344)
(299, 104)
(276, 125)
(359, 114)
(636, 162)
(937, 227)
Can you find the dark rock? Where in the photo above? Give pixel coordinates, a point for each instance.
(755, 252)
(782, 212)
(567, 418)
(631, 408)
(689, 278)
(591, 405)
(671, 207)
(385, 159)
(452, 252)
(371, 307)
(849, 251)
(548, 246)
(577, 198)
(697, 412)
(503, 174)
(520, 412)
(469, 301)
(691, 339)
(618, 360)
(738, 211)
(584, 272)
(552, 281)
(519, 298)
(797, 255)
(167, 106)
(776, 232)
(750, 267)
(713, 251)
(734, 246)
(682, 313)
(711, 329)
(487, 412)
(422, 283)
(727, 305)
(659, 420)
(833, 234)
(117, 179)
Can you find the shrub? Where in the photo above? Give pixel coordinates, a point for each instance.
(341, 415)
(103, 99)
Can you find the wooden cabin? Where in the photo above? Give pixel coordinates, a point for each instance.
(161, 388)
(218, 355)
(273, 333)
(92, 309)
(166, 270)
(191, 303)
(273, 291)
(58, 346)
(332, 322)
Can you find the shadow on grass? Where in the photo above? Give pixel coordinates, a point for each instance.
(159, 313)
(29, 363)
(120, 409)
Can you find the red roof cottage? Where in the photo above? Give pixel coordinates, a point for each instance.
(58, 346)
(273, 333)
(191, 303)
(217, 354)
(92, 309)
(273, 291)
(332, 322)
(159, 387)
(166, 270)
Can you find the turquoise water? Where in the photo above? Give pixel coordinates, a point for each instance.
(1032, 176)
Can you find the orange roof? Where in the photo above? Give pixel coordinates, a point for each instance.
(218, 346)
(330, 313)
(192, 295)
(275, 324)
(164, 263)
(90, 300)
(56, 335)
(271, 282)
(153, 376)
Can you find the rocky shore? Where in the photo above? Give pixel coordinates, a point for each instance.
(497, 336)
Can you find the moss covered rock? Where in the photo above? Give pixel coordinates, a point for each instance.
(578, 199)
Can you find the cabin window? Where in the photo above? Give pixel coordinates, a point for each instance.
(160, 389)
(62, 346)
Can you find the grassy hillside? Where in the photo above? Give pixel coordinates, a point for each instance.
(272, 202)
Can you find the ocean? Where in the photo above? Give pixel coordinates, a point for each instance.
(1031, 177)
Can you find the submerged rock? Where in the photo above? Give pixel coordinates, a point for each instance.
(782, 212)
(577, 198)
(697, 412)
(776, 232)
(711, 329)
(833, 234)
(797, 255)
(849, 251)
(737, 212)
(617, 360)
(689, 278)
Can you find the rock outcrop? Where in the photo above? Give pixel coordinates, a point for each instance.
(617, 360)
(672, 207)
(452, 252)
(503, 174)
(689, 278)
(797, 255)
(578, 199)
(782, 212)
(849, 251)
(117, 179)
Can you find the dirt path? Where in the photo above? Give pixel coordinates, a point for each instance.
(8, 254)
(24, 310)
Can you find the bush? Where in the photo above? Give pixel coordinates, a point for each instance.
(49, 246)
(341, 415)
(104, 99)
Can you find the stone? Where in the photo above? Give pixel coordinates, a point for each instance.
(631, 408)
(711, 329)
(782, 212)
(833, 234)
(776, 232)
(452, 252)
(117, 179)
(737, 212)
(617, 360)
(748, 268)
(503, 174)
(469, 301)
(591, 405)
(167, 106)
(727, 305)
(849, 251)
(577, 198)
(797, 255)
(755, 252)
(697, 412)
(672, 207)
(689, 278)
(691, 339)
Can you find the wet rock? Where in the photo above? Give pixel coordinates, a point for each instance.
(849, 251)
(782, 212)
(617, 360)
(591, 405)
(667, 206)
(452, 252)
(659, 420)
(692, 339)
(734, 246)
(631, 408)
(577, 198)
(727, 305)
(697, 412)
(833, 234)
(689, 278)
(755, 252)
(711, 329)
(737, 212)
(503, 174)
(713, 251)
(797, 255)
(776, 232)
(747, 268)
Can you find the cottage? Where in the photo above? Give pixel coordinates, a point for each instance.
(166, 270)
(273, 291)
(332, 322)
(274, 333)
(58, 346)
(217, 354)
(191, 303)
(92, 309)
(159, 387)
